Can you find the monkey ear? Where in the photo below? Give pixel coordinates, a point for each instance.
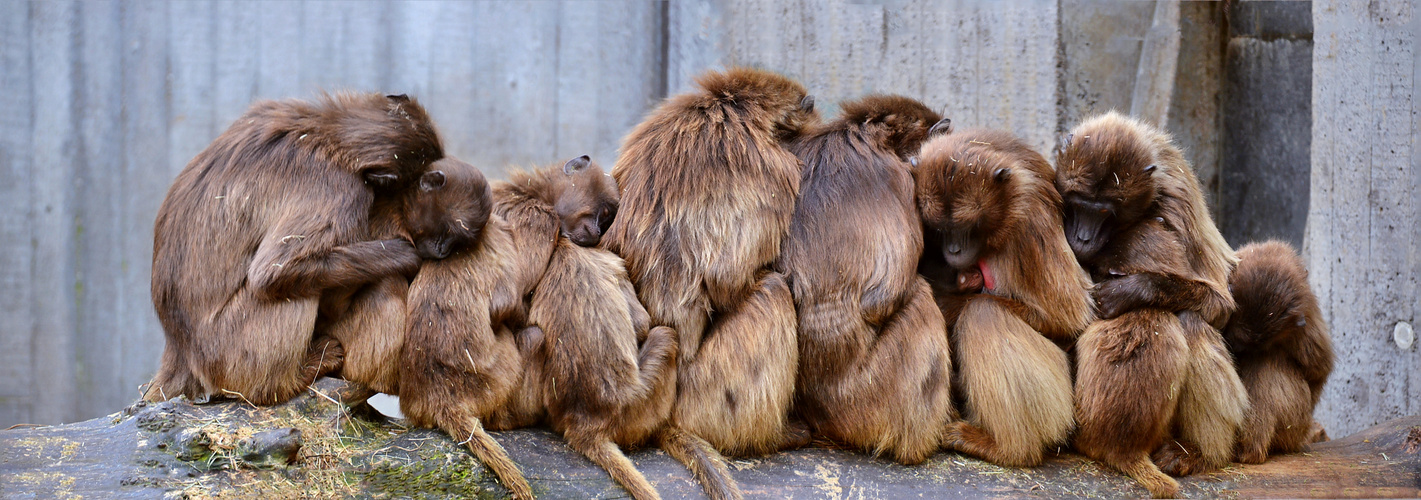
(1150, 169)
(913, 160)
(381, 178)
(807, 104)
(398, 97)
(943, 126)
(576, 164)
(431, 180)
(1001, 174)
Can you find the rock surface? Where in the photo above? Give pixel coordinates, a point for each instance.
(315, 447)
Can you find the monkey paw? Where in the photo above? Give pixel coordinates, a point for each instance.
(1253, 455)
(1120, 295)
(1179, 459)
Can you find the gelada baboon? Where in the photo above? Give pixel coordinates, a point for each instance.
(369, 322)
(707, 194)
(1153, 375)
(609, 377)
(989, 209)
(264, 221)
(470, 358)
(461, 362)
(875, 370)
(1281, 348)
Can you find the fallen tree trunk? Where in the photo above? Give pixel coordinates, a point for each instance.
(314, 446)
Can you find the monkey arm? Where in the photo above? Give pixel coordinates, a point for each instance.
(285, 269)
(1160, 290)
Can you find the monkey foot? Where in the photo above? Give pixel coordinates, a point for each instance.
(1177, 458)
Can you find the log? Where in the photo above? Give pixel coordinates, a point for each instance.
(316, 447)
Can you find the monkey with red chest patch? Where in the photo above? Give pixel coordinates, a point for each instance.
(875, 370)
(990, 214)
(707, 193)
(1156, 390)
(263, 223)
(1281, 348)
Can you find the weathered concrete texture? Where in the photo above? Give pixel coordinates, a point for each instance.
(1100, 51)
(1267, 123)
(984, 64)
(1194, 109)
(1362, 226)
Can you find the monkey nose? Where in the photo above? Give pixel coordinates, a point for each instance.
(954, 249)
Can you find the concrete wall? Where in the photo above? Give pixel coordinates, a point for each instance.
(1364, 220)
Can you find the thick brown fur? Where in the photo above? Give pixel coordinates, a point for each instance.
(874, 370)
(604, 377)
(1138, 223)
(1281, 348)
(988, 202)
(707, 194)
(274, 213)
(461, 362)
(369, 322)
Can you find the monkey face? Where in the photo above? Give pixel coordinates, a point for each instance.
(448, 210)
(1105, 176)
(588, 201)
(963, 189)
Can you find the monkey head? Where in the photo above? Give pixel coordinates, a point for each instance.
(904, 123)
(1105, 172)
(1271, 290)
(765, 95)
(389, 138)
(586, 202)
(964, 183)
(446, 213)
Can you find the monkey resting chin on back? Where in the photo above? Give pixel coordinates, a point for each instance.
(875, 370)
(991, 215)
(707, 192)
(461, 362)
(606, 377)
(1281, 348)
(265, 221)
(1156, 389)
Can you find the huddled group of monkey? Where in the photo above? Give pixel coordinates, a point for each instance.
(748, 278)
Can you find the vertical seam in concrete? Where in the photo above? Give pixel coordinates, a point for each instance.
(664, 29)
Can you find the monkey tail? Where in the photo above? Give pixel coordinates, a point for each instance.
(605, 453)
(1148, 474)
(488, 451)
(657, 361)
(703, 460)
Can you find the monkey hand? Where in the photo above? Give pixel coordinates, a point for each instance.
(970, 280)
(1120, 295)
(401, 256)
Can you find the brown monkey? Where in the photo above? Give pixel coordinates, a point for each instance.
(1154, 374)
(468, 355)
(1281, 348)
(875, 370)
(369, 322)
(600, 390)
(707, 194)
(989, 208)
(265, 220)
(460, 361)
